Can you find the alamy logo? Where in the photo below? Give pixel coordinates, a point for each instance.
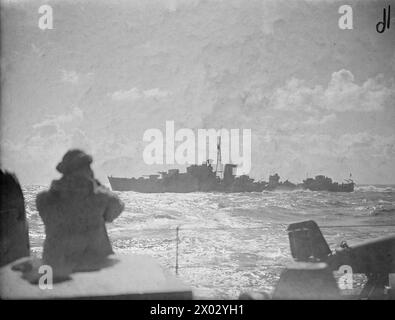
(184, 146)
(46, 20)
(46, 280)
(346, 279)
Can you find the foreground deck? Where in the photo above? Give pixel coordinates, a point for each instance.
(125, 277)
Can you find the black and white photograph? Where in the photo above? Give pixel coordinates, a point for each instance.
(203, 150)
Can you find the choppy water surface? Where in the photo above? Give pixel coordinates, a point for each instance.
(231, 243)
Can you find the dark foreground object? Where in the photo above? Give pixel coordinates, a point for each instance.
(14, 236)
(125, 277)
(311, 276)
(374, 258)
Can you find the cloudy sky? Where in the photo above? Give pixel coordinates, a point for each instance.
(319, 100)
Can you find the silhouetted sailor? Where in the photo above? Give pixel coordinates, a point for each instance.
(74, 211)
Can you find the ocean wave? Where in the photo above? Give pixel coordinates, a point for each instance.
(382, 210)
(375, 188)
(287, 191)
(228, 238)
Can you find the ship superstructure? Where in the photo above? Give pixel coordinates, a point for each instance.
(323, 183)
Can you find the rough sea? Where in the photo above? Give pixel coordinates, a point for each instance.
(233, 243)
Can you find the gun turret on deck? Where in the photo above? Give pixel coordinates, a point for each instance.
(374, 258)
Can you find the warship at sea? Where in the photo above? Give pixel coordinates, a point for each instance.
(204, 178)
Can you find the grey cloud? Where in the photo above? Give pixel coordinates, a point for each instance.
(341, 94)
(136, 94)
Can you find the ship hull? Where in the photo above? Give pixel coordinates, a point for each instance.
(147, 186)
(177, 186)
(189, 184)
(344, 187)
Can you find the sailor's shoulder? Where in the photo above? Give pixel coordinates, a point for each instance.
(43, 195)
(100, 189)
(48, 196)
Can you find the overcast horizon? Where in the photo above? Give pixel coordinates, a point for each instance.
(318, 100)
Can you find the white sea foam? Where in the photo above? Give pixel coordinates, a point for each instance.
(232, 242)
(375, 188)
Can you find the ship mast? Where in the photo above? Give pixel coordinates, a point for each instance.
(218, 167)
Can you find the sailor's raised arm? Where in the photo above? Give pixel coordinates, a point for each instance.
(114, 206)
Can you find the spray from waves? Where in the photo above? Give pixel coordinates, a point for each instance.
(375, 188)
(382, 210)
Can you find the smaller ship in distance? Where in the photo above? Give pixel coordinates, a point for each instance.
(203, 178)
